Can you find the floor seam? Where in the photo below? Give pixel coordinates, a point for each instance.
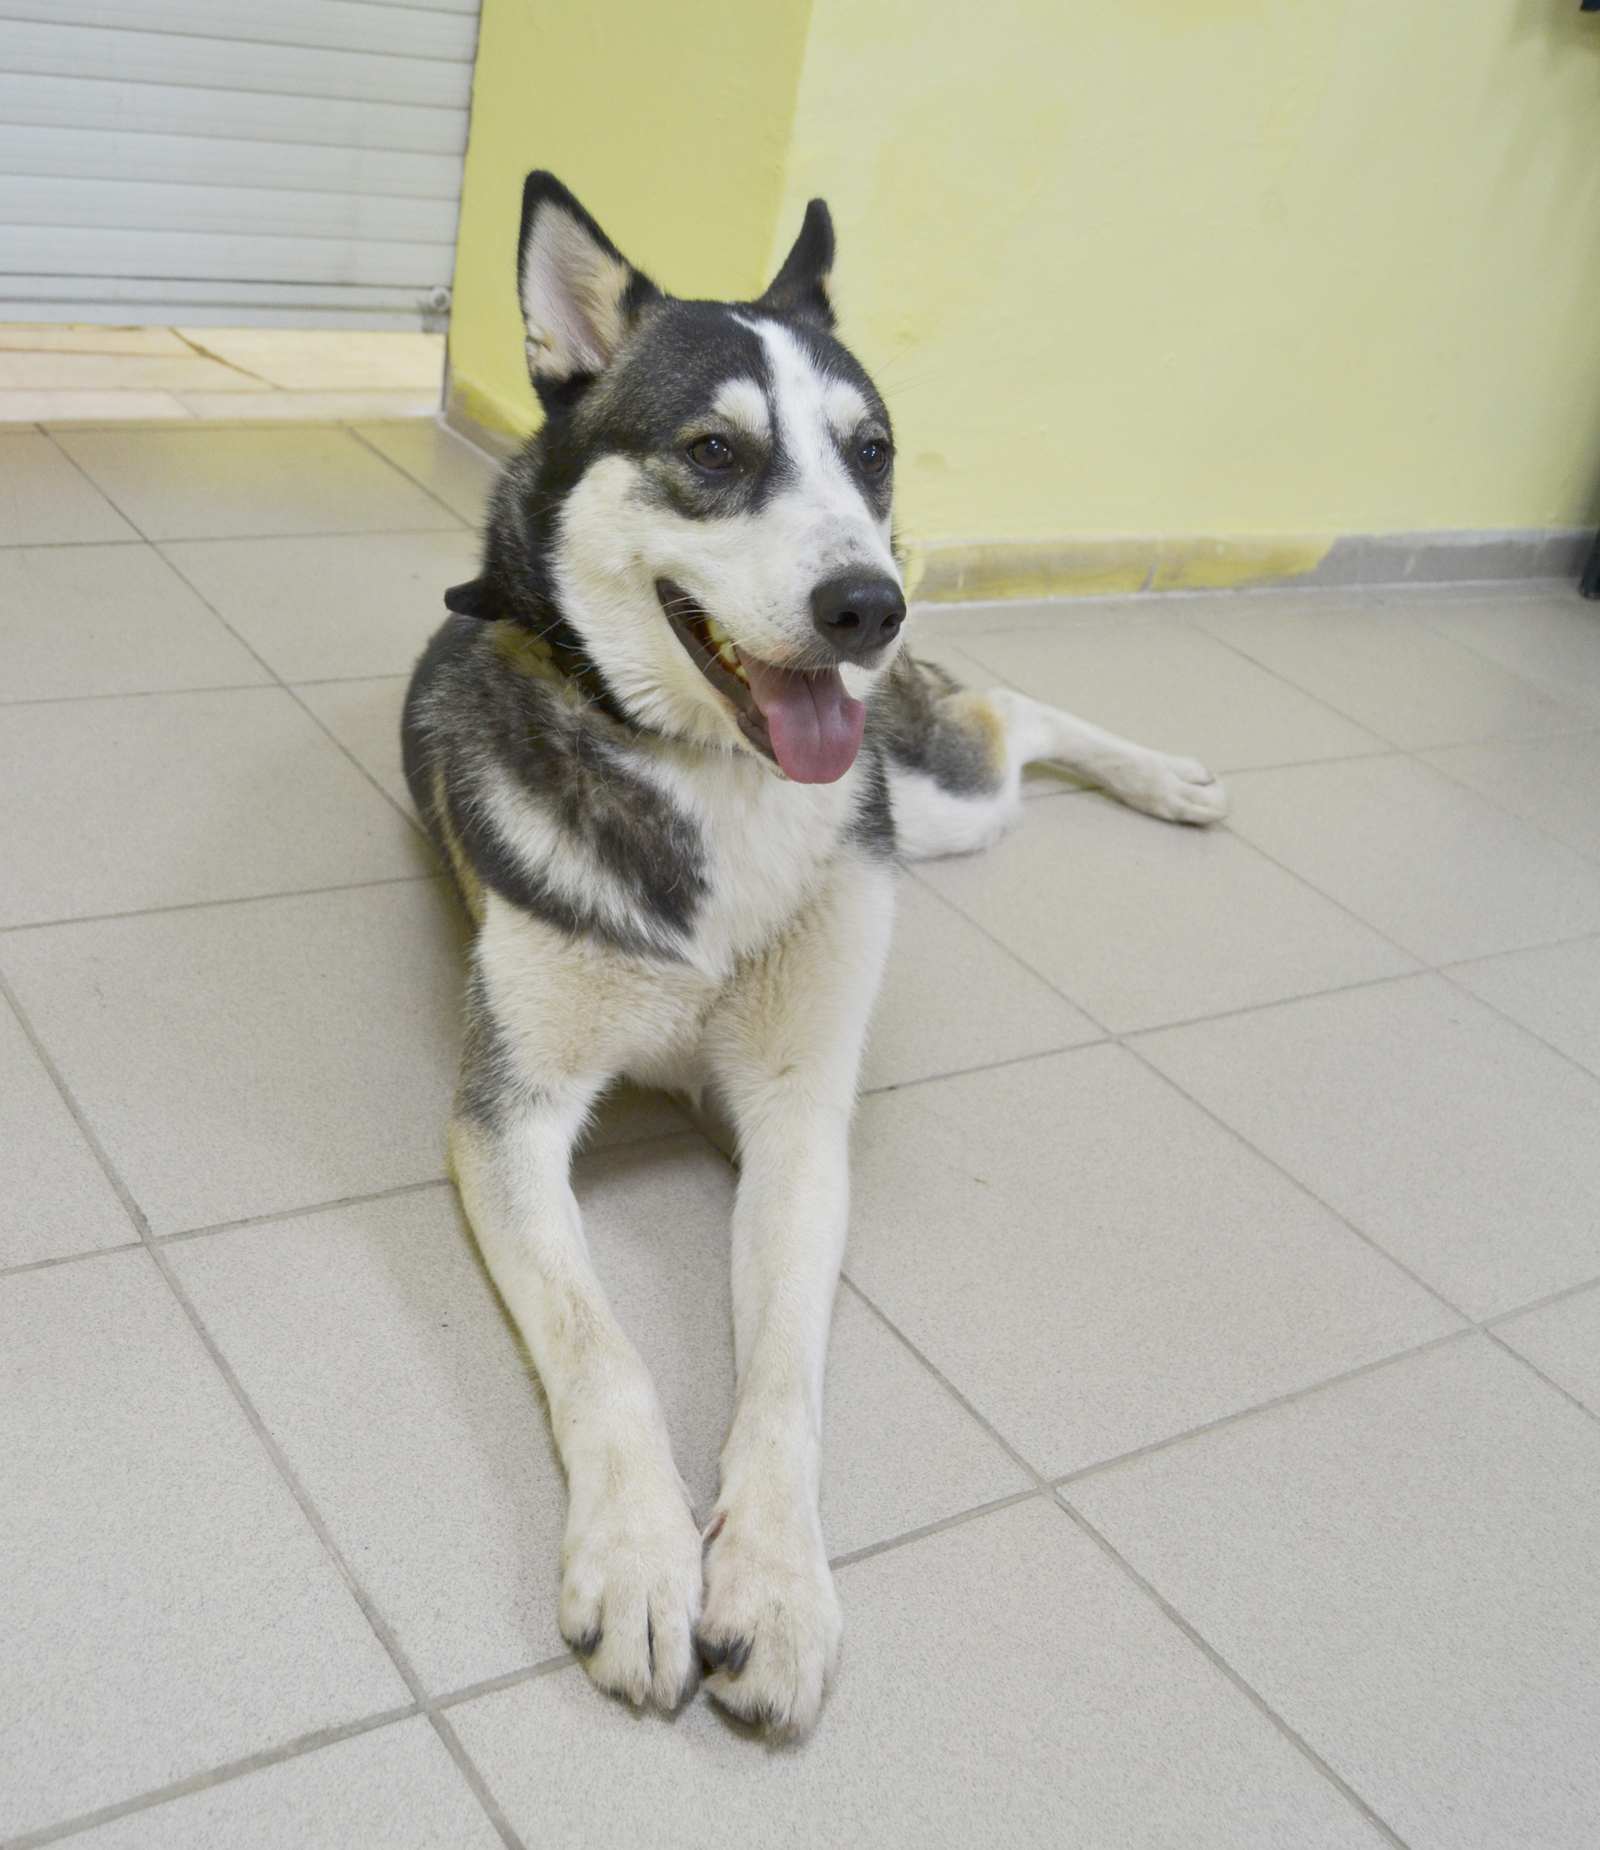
(1246, 1689)
(1261, 1407)
(1208, 1650)
(220, 1775)
(1550, 1381)
(367, 1605)
(1301, 1187)
(241, 899)
(406, 475)
(316, 719)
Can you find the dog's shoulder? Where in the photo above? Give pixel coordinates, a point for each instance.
(533, 791)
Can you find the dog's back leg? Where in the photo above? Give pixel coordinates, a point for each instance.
(956, 760)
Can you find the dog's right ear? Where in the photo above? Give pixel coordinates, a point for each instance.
(580, 295)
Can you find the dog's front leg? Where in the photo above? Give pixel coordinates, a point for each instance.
(539, 1050)
(784, 1050)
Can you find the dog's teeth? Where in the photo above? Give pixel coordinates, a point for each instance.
(714, 629)
(729, 659)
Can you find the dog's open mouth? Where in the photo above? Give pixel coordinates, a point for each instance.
(806, 723)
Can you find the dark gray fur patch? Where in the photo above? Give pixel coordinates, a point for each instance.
(489, 1078)
(486, 711)
(911, 718)
(872, 826)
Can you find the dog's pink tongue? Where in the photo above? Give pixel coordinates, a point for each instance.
(814, 725)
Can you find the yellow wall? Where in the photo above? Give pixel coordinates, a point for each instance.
(1122, 266)
(668, 118)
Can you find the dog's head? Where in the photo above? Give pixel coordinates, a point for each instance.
(708, 504)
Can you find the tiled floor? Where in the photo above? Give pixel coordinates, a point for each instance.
(51, 371)
(1213, 1451)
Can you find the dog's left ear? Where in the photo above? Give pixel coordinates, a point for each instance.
(801, 287)
(580, 296)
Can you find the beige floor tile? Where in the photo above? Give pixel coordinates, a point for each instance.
(364, 716)
(239, 482)
(308, 407)
(329, 607)
(74, 337)
(44, 501)
(393, 1789)
(1553, 991)
(1405, 682)
(897, 1452)
(54, 1197)
(1097, 1265)
(1001, 1683)
(57, 371)
(439, 1477)
(175, 799)
(443, 463)
(1443, 1131)
(167, 1606)
(1433, 865)
(1563, 1341)
(1407, 1567)
(329, 360)
(952, 999)
(1141, 922)
(1551, 640)
(1548, 781)
(1167, 685)
(81, 620)
(245, 1059)
(105, 406)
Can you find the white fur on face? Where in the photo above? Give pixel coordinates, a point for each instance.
(743, 404)
(752, 573)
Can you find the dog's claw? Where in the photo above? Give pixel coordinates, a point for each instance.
(587, 1643)
(730, 1655)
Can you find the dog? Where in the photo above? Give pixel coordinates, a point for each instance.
(671, 745)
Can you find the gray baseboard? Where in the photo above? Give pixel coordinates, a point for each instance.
(1100, 568)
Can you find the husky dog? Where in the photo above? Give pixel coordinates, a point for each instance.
(671, 746)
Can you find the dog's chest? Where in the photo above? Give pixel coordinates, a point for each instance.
(768, 846)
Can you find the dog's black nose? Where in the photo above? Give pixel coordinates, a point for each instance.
(858, 615)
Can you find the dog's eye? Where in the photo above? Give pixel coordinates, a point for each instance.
(873, 457)
(711, 453)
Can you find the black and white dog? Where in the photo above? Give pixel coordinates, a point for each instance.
(671, 746)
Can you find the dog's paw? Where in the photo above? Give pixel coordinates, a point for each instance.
(631, 1579)
(1175, 789)
(769, 1637)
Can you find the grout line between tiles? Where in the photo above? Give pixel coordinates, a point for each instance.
(240, 899)
(400, 809)
(1323, 700)
(1245, 1688)
(1567, 1059)
(137, 693)
(872, 1549)
(1223, 1421)
(304, 1212)
(1550, 1297)
(509, 1679)
(415, 480)
(1301, 1187)
(221, 1775)
(44, 1265)
(1209, 1651)
(1550, 1381)
(376, 1620)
